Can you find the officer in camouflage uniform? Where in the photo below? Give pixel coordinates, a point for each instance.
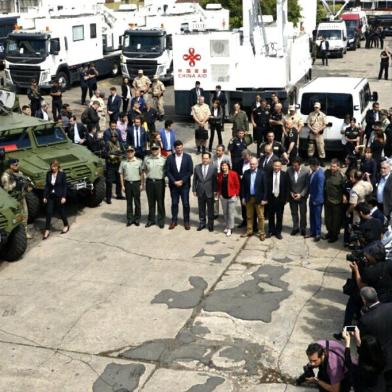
(14, 182)
(317, 122)
(141, 82)
(157, 91)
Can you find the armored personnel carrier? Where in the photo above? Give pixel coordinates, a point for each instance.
(35, 143)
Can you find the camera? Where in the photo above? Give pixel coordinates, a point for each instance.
(356, 256)
(308, 373)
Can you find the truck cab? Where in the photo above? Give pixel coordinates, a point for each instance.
(335, 32)
(150, 50)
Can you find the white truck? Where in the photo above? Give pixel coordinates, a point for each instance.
(260, 58)
(149, 47)
(56, 43)
(335, 32)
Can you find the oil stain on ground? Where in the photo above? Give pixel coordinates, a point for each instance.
(208, 386)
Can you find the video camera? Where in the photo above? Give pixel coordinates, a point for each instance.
(356, 256)
(308, 373)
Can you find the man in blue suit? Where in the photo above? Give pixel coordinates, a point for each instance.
(179, 169)
(254, 197)
(114, 104)
(168, 137)
(316, 198)
(137, 137)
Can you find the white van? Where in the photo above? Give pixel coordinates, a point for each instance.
(335, 32)
(338, 97)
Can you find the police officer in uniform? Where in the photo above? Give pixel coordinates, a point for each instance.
(154, 169)
(236, 146)
(13, 182)
(141, 82)
(277, 147)
(131, 178)
(317, 122)
(260, 117)
(290, 140)
(157, 91)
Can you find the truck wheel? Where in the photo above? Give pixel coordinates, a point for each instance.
(358, 43)
(96, 197)
(33, 206)
(16, 244)
(340, 55)
(63, 79)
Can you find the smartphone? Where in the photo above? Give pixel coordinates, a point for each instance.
(350, 328)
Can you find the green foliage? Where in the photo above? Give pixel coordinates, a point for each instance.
(268, 7)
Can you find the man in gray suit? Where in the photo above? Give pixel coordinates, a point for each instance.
(384, 189)
(298, 187)
(219, 157)
(204, 187)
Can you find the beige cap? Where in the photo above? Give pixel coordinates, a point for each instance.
(317, 105)
(140, 71)
(291, 108)
(155, 77)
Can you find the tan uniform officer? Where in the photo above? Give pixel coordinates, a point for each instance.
(317, 122)
(157, 91)
(131, 178)
(201, 113)
(154, 167)
(141, 82)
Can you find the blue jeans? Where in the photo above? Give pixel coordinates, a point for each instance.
(315, 218)
(176, 194)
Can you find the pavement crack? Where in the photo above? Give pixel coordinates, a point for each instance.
(19, 336)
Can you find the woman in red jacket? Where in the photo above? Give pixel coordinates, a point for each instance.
(228, 191)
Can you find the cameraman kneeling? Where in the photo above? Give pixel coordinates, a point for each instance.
(371, 229)
(377, 272)
(328, 357)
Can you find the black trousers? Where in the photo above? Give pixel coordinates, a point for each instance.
(324, 57)
(112, 176)
(258, 136)
(132, 194)
(383, 70)
(218, 129)
(125, 105)
(56, 109)
(92, 87)
(353, 309)
(275, 215)
(206, 203)
(84, 94)
(54, 203)
(155, 190)
(298, 213)
(333, 219)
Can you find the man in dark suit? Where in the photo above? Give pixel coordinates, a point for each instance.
(298, 188)
(179, 170)
(372, 116)
(219, 95)
(114, 104)
(254, 197)
(377, 322)
(204, 188)
(316, 198)
(137, 137)
(195, 93)
(107, 134)
(278, 189)
(76, 131)
(384, 189)
(324, 50)
(266, 162)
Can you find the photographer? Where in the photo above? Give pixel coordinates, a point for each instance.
(367, 375)
(377, 272)
(16, 184)
(328, 357)
(370, 229)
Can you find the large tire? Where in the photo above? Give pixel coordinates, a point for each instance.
(33, 206)
(63, 79)
(16, 244)
(95, 198)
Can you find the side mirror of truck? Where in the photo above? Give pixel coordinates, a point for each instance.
(375, 96)
(169, 42)
(54, 46)
(2, 154)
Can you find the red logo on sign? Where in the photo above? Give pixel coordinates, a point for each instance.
(191, 57)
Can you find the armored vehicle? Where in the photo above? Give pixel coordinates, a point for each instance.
(36, 143)
(13, 241)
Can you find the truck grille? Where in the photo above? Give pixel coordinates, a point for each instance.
(3, 221)
(22, 76)
(149, 67)
(77, 174)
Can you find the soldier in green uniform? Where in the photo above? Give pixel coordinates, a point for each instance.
(113, 158)
(154, 167)
(14, 182)
(131, 178)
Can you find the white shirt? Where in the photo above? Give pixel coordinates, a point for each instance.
(53, 180)
(258, 103)
(179, 161)
(245, 167)
(216, 111)
(376, 116)
(136, 136)
(167, 133)
(323, 46)
(76, 134)
(296, 174)
(45, 116)
(128, 92)
(276, 184)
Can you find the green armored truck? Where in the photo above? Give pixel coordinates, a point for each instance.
(35, 143)
(13, 241)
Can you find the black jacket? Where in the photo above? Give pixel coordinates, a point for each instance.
(81, 129)
(114, 106)
(222, 98)
(260, 186)
(283, 186)
(90, 117)
(193, 96)
(60, 186)
(185, 172)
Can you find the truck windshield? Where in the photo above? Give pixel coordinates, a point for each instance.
(330, 35)
(14, 142)
(352, 24)
(143, 43)
(50, 135)
(332, 104)
(26, 47)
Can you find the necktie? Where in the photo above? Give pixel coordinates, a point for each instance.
(276, 185)
(204, 171)
(137, 138)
